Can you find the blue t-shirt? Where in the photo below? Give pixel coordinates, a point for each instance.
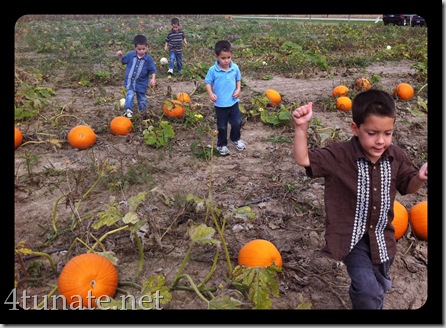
(138, 71)
(223, 83)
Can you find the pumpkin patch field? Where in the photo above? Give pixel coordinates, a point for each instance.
(152, 195)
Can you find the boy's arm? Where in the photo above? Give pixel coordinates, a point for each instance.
(152, 81)
(212, 95)
(301, 118)
(238, 86)
(418, 180)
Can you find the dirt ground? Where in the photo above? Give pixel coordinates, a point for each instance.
(254, 177)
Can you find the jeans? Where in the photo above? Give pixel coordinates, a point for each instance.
(178, 58)
(140, 97)
(232, 116)
(369, 282)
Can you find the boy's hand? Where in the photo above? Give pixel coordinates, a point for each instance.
(303, 114)
(213, 97)
(119, 53)
(422, 174)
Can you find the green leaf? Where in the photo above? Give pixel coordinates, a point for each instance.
(136, 200)
(202, 234)
(135, 227)
(154, 285)
(245, 212)
(130, 217)
(224, 302)
(111, 215)
(109, 256)
(259, 282)
(284, 115)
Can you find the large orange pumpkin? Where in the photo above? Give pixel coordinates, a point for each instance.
(344, 103)
(121, 125)
(259, 252)
(404, 91)
(418, 220)
(81, 137)
(400, 219)
(85, 275)
(183, 97)
(273, 96)
(173, 108)
(362, 84)
(340, 91)
(18, 138)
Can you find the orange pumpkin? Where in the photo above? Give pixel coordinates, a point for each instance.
(85, 275)
(183, 97)
(344, 103)
(121, 125)
(404, 91)
(418, 220)
(18, 138)
(362, 84)
(340, 91)
(173, 108)
(400, 219)
(81, 137)
(273, 96)
(259, 252)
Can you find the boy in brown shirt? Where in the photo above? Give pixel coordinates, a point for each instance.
(362, 176)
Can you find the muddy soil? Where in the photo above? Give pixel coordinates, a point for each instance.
(288, 207)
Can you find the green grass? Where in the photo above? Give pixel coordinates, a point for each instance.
(87, 44)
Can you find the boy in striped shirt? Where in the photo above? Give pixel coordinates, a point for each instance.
(174, 44)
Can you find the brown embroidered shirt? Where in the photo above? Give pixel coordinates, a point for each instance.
(359, 196)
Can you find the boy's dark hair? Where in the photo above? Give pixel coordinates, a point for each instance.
(372, 102)
(175, 21)
(222, 45)
(140, 39)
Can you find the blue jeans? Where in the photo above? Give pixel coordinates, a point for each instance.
(140, 97)
(369, 282)
(178, 58)
(232, 116)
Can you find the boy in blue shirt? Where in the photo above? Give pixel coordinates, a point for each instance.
(140, 66)
(223, 84)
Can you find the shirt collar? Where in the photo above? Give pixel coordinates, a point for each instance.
(219, 68)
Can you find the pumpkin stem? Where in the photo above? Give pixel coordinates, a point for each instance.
(101, 173)
(214, 266)
(183, 264)
(210, 211)
(50, 259)
(141, 254)
(193, 286)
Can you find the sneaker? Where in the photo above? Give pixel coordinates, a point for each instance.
(170, 71)
(128, 113)
(240, 144)
(223, 150)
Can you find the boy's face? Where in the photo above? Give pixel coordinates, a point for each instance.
(374, 135)
(175, 27)
(224, 59)
(141, 50)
